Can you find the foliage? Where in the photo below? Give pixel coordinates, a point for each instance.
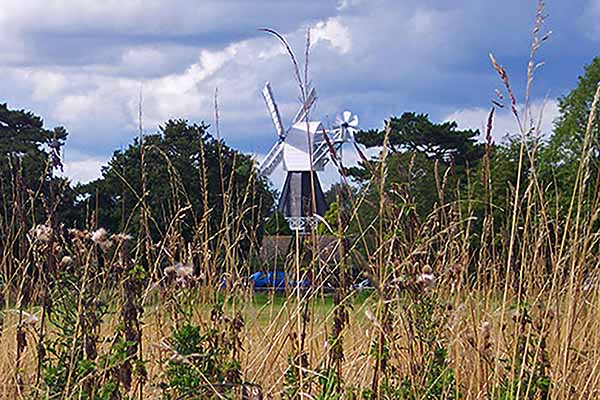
(559, 159)
(23, 136)
(429, 374)
(187, 174)
(438, 141)
(73, 363)
(331, 217)
(277, 225)
(425, 160)
(529, 375)
(29, 154)
(419, 234)
(205, 364)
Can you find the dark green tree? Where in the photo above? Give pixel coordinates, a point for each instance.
(29, 162)
(437, 141)
(184, 168)
(559, 159)
(415, 146)
(277, 225)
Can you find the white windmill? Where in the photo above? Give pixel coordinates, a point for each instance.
(304, 148)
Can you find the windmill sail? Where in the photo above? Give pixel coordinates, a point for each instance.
(272, 160)
(305, 109)
(347, 124)
(273, 110)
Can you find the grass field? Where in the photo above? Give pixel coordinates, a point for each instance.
(493, 293)
(270, 319)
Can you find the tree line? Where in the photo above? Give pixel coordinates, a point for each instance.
(431, 164)
(183, 167)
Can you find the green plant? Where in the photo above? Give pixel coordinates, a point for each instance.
(205, 364)
(528, 373)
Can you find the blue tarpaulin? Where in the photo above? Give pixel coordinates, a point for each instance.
(274, 280)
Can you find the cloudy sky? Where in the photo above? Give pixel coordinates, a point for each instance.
(81, 63)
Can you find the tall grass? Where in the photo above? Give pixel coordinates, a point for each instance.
(91, 314)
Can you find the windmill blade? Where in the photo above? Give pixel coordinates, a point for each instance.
(322, 156)
(272, 160)
(303, 111)
(273, 110)
(326, 148)
(346, 125)
(347, 119)
(353, 121)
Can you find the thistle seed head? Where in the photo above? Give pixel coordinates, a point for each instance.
(43, 233)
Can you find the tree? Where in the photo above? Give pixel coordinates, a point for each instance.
(559, 159)
(187, 173)
(277, 225)
(29, 155)
(416, 145)
(438, 141)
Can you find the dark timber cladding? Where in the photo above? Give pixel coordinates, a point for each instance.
(296, 197)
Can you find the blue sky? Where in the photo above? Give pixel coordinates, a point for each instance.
(80, 63)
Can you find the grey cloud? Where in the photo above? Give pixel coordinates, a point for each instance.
(84, 32)
(83, 68)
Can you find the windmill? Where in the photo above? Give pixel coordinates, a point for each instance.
(304, 148)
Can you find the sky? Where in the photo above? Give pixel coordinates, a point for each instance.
(82, 63)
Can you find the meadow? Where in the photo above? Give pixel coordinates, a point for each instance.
(492, 293)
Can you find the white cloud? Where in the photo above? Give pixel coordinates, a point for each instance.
(82, 171)
(335, 32)
(137, 58)
(81, 62)
(45, 84)
(72, 108)
(100, 109)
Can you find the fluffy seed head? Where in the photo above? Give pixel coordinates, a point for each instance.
(121, 237)
(66, 261)
(184, 270)
(485, 328)
(170, 271)
(43, 233)
(426, 278)
(100, 237)
(30, 320)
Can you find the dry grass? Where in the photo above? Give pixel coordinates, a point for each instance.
(267, 345)
(515, 316)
